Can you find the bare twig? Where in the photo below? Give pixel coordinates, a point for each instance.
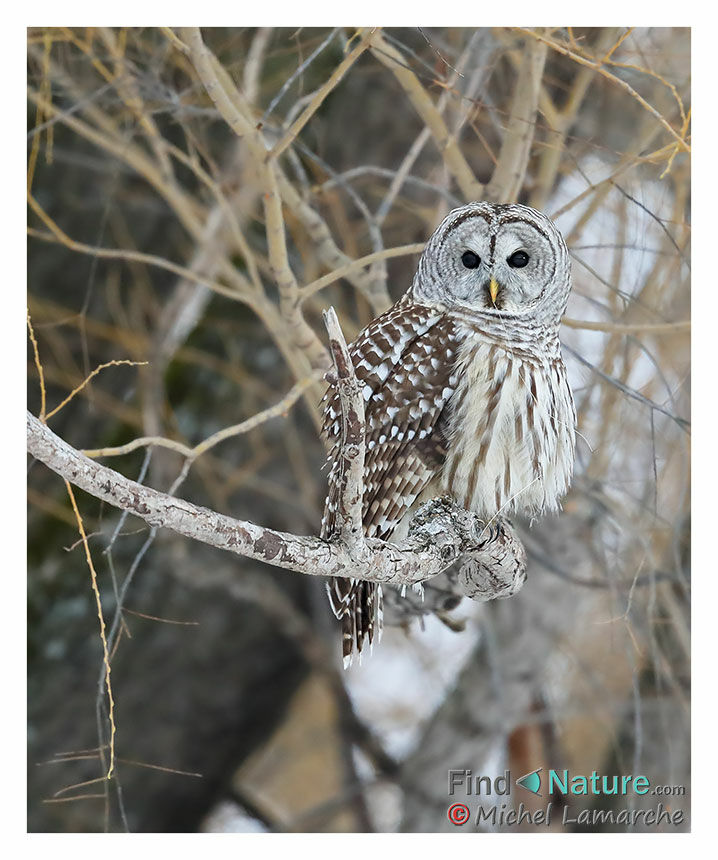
(327, 250)
(350, 478)
(509, 173)
(38, 365)
(98, 602)
(132, 257)
(627, 328)
(679, 137)
(561, 121)
(454, 159)
(354, 265)
(237, 114)
(297, 73)
(321, 94)
(279, 408)
(98, 369)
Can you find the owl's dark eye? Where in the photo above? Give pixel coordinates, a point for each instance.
(471, 260)
(518, 259)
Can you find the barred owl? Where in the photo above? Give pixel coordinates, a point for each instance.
(464, 386)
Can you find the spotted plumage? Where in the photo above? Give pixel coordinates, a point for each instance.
(465, 390)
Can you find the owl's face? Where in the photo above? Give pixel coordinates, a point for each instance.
(496, 259)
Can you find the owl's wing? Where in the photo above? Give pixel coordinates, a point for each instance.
(405, 362)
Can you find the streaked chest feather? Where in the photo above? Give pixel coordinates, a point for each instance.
(511, 432)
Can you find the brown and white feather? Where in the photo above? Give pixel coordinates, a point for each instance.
(404, 361)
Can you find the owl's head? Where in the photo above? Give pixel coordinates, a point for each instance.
(496, 259)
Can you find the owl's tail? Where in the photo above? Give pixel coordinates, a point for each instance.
(359, 606)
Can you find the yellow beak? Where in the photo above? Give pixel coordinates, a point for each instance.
(493, 290)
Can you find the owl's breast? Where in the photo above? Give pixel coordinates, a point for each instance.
(511, 432)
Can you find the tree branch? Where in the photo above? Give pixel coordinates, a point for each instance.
(349, 524)
(493, 560)
(235, 111)
(510, 171)
(453, 158)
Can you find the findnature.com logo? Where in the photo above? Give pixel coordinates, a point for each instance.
(560, 783)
